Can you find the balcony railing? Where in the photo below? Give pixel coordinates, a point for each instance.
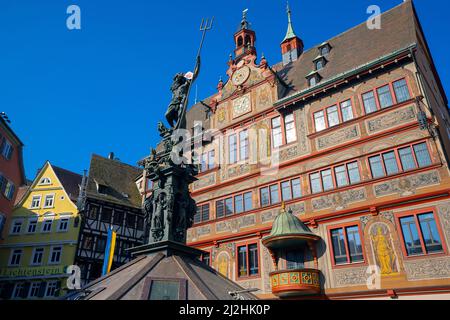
(287, 283)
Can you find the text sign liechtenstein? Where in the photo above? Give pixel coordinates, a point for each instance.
(32, 272)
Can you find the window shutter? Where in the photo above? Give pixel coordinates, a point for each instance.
(25, 290)
(42, 288)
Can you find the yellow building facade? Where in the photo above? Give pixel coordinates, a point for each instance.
(41, 237)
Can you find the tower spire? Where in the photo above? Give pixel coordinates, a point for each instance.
(290, 30)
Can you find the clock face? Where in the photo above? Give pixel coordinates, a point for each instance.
(241, 106)
(240, 76)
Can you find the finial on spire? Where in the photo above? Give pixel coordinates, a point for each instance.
(290, 31)
(283, 206)
(244, 23)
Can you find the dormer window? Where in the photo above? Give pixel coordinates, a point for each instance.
(45, 182)
(319, 63)
(313, 78)
(324, 49)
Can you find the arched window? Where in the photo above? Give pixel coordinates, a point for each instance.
(248, 40)
(312, 81)
(240, 41)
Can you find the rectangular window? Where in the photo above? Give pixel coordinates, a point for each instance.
(265, 198)
(289, 125)
(277, 137)
(202, 214)
(420, 234)
(32, 224)
(16, 227)
(390, 163)
(407, 159)
(211, 160)
(341, 176)
(130, 220)
(248, 260)
(327, 180)
(100, 244)
(370, 105)
(93, 212)
(333, 116)
(9, 190)
(51, 289)
(106, 215)
(34, 290)
(274, 196)
(385, 97)
(401, 91)
(49, 201)
(243, 145)
(18, 291)
(376, 166)
(296, 188)
(220, 209)
(229, 206)
(47, 226)
(286, 193)
(118, 217)
(206, 258)
(55, 255)
(347, 110)
(316, 185)
(88, 242)
(248, 203)
(63, 224)
(204, 162)
(319, 121)
(7, 149)
(422, 155)
(239, 203)
(353, 172)
(38, 254)
(346, 245)
(35, 202)
(232, 146)
(16, 257)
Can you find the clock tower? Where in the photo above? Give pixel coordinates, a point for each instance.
(244, 39)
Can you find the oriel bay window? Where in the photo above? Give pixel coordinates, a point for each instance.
(283, 191)
(421, 234)
(402, 159)
(248, 264)
(234, 204)
(335, 177)
(386, 96)
(346, 245)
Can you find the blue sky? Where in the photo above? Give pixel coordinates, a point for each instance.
(103, 88)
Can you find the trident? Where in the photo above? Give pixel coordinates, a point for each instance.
(205, 26)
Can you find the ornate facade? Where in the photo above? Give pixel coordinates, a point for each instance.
(353, 136)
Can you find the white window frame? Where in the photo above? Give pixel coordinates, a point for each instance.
(44, 223)
(38, 284)
(14, 293)
(12, 254)
(53, 201)
(52, 249)
(32, 202)
(51, 285)
(60, 221)
(13, 224)
(45, 182)
(29, 224)
(33, 255)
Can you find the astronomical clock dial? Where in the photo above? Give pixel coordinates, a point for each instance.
(241, 106)
(240, 76)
